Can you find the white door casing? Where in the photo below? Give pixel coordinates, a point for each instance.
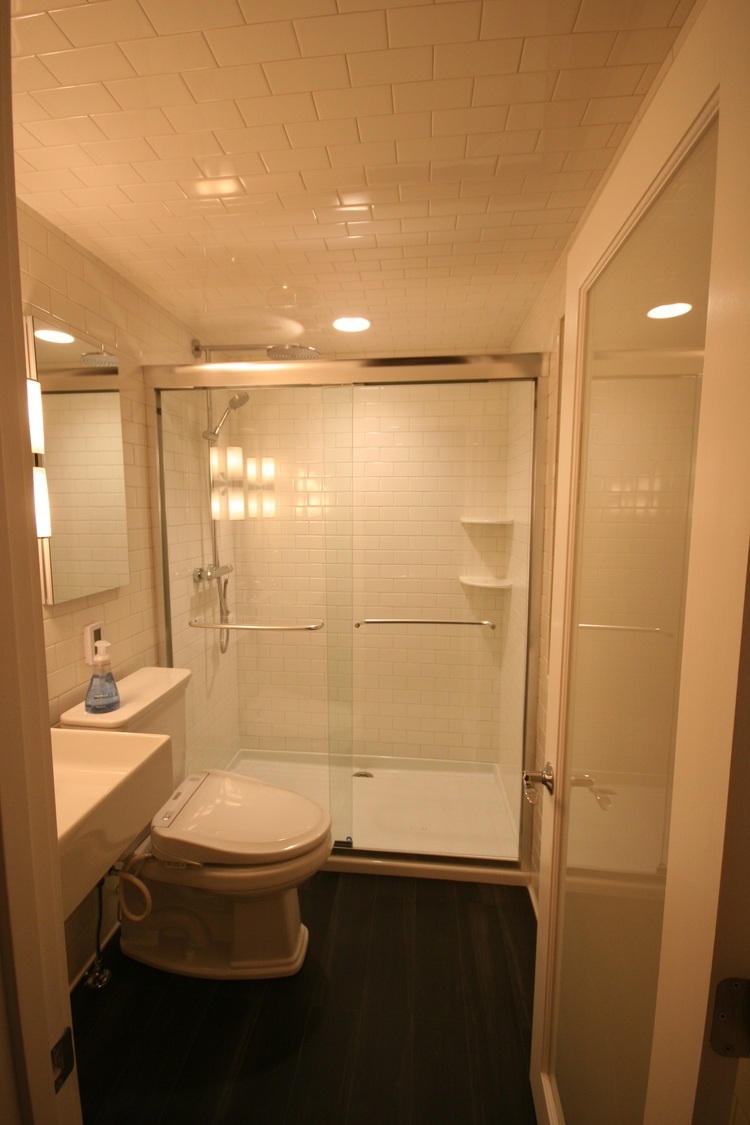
(710, 67)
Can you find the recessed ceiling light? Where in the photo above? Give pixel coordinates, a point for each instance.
(351, 324)
(664, 312)
(216, 188)
(53, 336)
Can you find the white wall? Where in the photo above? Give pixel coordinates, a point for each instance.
(66, 285)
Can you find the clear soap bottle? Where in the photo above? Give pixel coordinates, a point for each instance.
(102, 694)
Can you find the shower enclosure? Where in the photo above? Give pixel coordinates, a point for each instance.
(347, 574)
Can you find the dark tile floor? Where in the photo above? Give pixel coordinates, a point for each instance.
(413, 1007)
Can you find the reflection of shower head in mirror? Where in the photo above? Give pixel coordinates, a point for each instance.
(235, 402)
(101, 360)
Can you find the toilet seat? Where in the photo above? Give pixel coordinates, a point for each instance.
(221, 818)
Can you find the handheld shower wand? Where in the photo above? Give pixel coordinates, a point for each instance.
(235, 402)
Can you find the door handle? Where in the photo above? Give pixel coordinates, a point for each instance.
(532, 779)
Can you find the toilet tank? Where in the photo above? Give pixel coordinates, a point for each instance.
(152, 701)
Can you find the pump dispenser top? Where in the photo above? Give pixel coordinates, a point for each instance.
(102, 694)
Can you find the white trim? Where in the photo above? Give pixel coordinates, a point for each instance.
(32, 945)
(713, 57)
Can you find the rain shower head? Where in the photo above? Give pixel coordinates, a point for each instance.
(102, 360)
(292, 351)
(235, 402)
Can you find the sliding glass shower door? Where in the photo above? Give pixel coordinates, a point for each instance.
(443, 484)
(265, 506)
(348, 577)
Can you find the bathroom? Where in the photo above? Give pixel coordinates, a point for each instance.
(79, 290)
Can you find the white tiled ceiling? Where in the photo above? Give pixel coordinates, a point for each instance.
(261, 168)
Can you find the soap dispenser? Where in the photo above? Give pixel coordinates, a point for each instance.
(102, 694)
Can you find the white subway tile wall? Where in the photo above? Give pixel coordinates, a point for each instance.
(431, 463)
(66, 285)
(212, 707)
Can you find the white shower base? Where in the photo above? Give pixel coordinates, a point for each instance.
(412, 806)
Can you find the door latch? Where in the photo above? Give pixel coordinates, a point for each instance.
(532, 779)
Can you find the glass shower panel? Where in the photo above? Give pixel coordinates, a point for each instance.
(406, 647)
(337, 514)
(442, 503)
(273, 489)
(640, 416)
(187, 543)
(293, 569)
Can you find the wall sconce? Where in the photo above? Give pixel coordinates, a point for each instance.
(260, 502)
(235, 484)
(218, 483)
(36, 433)
(241, 487)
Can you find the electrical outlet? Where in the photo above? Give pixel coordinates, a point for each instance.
(91, 634)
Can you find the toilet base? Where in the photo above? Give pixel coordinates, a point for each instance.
(212, 964)
(221, 937)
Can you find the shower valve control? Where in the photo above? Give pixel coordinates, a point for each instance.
(207, 573)
(546, 778)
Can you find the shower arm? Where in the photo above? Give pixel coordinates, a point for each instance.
(198, 349)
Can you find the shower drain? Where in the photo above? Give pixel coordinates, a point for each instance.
(363, 773)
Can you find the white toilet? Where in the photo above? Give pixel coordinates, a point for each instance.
(215, 893)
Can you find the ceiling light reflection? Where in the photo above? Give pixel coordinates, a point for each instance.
(351, 324)
(665, 312)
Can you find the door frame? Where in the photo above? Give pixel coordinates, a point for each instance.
(34, 1000)
(709, 71)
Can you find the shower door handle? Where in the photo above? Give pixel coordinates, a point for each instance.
(531, 779)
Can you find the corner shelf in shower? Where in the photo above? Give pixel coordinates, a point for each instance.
(484, 582)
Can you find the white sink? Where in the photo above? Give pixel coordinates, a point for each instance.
(108, 786)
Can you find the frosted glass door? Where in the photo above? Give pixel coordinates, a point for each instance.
(641, 400)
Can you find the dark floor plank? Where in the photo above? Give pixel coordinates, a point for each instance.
(383, 1070)
(140, 1090)
(518, 926)
(263, 1080)
(499, 1070)
(442, 1072)
(107, 1023)
(215, 1056)
(412, 1007)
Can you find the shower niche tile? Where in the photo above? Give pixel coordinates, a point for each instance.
(488, 551)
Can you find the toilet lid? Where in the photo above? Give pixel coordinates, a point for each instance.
(226, 818)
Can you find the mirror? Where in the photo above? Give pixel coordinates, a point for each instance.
(88, 548)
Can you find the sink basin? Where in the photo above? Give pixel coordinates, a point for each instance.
(108, 786)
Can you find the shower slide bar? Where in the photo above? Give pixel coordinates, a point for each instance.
(309, 628)
(416, 621)
(625, 629)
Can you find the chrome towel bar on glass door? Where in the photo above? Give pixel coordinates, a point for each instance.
(309, 628)
(416, 621)
(625, 628)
